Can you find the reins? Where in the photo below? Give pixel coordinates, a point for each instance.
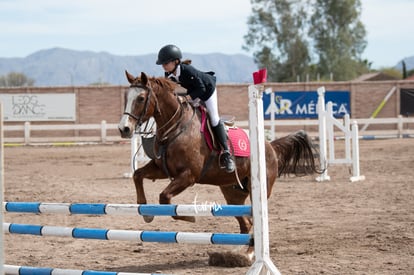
(166, 139)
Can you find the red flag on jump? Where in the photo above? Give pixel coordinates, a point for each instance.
(260, 76)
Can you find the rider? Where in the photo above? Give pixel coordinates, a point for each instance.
(199, 85)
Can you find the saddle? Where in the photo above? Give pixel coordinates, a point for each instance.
(237, 138)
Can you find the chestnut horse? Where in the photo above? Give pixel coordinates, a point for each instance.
(183, 154)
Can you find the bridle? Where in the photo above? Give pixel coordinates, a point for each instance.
(139, 118)
(146, 105)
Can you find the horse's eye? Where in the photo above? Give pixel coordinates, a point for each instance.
(140, 99)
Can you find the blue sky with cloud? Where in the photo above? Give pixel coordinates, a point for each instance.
(133, 27)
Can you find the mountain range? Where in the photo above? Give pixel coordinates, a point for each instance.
(58, 66)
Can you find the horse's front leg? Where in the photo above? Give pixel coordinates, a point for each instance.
(176, 186)
(149, 171)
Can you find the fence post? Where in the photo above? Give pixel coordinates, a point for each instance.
(26, 133)
(400, 126)
(103, 131)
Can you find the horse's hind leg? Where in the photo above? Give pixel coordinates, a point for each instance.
(235, 196)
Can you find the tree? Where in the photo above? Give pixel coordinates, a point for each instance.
(276, 33)
(339, 38)
(14, 79)
(410, 73)
(404, 70)
(292, 38)
(392, 72)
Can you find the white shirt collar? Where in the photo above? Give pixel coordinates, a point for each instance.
(177, 73)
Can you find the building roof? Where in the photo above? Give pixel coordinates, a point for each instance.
(411, 77)
(377, 76)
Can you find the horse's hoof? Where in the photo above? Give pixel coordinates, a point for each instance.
(148, 219)
(229, 259)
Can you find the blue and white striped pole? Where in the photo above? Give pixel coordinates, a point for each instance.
(128, 209)
(28, 270)
(129, 235)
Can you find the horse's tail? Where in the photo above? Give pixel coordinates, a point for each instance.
(296, 155)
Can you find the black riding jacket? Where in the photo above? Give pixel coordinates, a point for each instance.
(197, 83)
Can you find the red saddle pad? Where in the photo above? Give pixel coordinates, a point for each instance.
(239, 142)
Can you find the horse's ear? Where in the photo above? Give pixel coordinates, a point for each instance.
(144, 79)
(130, 77)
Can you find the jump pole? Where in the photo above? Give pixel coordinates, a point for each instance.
(135, 140)
(263, 264)
(1, 190)
(380, 106)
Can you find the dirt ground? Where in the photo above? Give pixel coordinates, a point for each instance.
(335, 227)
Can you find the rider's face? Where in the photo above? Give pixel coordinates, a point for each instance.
(169, 67)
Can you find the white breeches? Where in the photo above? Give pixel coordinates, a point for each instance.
(212, 108)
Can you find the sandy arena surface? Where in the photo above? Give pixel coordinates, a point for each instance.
(335, 227)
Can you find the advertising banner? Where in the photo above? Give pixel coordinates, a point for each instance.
(303, 104)
(39, 107)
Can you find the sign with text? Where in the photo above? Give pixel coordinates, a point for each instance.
(39, 107)
(303, 104)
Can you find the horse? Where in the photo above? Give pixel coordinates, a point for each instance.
(183, 156)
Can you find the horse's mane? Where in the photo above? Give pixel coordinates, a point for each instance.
(164, 83)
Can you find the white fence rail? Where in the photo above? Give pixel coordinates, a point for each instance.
(404, 127)
(28, 128)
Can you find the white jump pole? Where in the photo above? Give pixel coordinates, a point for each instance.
(134, 159)
(263, 264)
(1, 190)
(272, 107)
(135, 143)
(322, 135)
(355, 154)
(326, 134)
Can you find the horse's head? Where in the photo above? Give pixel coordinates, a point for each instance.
(139, 104)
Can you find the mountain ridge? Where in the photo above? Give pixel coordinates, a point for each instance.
(61, 66)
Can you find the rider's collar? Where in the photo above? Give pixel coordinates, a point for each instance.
(177, 73)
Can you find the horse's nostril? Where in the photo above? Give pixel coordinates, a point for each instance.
(125, 131)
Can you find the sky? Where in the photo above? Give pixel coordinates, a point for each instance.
(137, 27)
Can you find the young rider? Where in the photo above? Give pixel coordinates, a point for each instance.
(199, 85)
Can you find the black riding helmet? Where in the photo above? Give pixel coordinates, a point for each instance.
(168, 53)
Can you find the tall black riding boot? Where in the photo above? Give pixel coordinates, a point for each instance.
(226, 160)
